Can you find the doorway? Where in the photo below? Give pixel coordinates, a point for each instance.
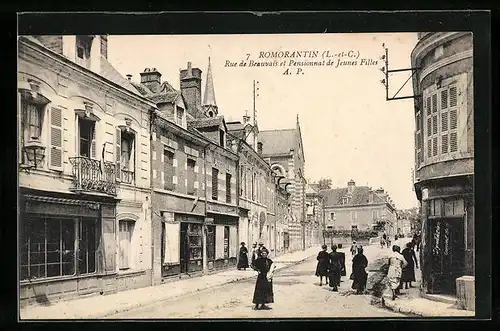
(447, 254)
(184, 249)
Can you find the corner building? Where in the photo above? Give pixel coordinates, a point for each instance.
(444, 157)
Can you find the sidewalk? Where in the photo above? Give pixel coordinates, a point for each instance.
(101, 306)
(410, 301)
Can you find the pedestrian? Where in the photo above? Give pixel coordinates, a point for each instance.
(359, 276)
(408, 274)
(388, 242)
(243, 257)
(382, 242)
(396, 265)
(354, 248)
(322, 266)
(255, 254)
(416, 241)
(334, 269)
(263, 292)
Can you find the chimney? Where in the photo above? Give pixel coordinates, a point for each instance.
(259, 147)
(246, 119)
(190, 80)
(350, 186)
(152, 79)
(104, 46)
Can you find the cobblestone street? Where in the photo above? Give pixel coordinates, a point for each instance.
(296, 292)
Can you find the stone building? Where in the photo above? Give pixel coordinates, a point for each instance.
(444, 157)
(194, 178)
(359, 208)
(84, 171)
(285, 153)
(315, 215)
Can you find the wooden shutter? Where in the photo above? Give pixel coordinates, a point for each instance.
(215, 183)
(56, 140)
(118, 151)
(219, 241)
(172, 243)
(124, 240)
(233, 241)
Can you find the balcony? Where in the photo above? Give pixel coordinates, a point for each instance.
(89, 177)
(127, 176)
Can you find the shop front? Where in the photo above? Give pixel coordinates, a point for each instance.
(67, 246)
(447, 244)
(222, 238)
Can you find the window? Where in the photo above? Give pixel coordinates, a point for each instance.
(215, 183)
(127, 157)
(441, 117)
(253, 186)
(242, 181)
(87, 142)
(222, 138)
(353, 216)
(168, 170)
(332, 216)
(418, 139)
(32, 115)
(49, 249)
(228, 188)
(226, 242)
(180, 116)
(83, 45)
(435, 207)
(375, 214)
(126, 229)
(345, 200)
(190, 176)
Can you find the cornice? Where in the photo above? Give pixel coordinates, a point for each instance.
(444, 62)
(56, 63)
(430, 42)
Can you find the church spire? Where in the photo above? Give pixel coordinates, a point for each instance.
(209, 100)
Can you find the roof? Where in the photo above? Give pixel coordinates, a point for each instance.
(277, 141)
(142, 89)
(310, 189)
(110, 73)
(168, 97)
(206, 122)
(209, 99)
(360, 195)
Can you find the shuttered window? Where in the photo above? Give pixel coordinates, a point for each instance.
(56, 139)
(418, 139)
(126, 229)
(215, 184)
(228, 188)
(190, 176)
(168, 170)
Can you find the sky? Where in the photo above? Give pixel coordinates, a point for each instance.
(349, 130)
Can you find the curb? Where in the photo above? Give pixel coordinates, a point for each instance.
(131, 307)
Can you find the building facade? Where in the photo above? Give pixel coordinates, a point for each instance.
(84, 202)
(444, 156)
(284, 151)
(315, 216)
(359, 208)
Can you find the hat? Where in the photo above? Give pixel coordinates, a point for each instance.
(242, 243)
(323, 246)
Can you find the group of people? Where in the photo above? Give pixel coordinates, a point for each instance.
(332, 267)
(402, 268)
(385, 240)
(260, 262)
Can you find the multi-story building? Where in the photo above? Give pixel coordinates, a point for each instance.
(194, 178)
(315, 215)
(284, 151)
(257, 187)
(359, 208)
(84, 224)
(444, 157)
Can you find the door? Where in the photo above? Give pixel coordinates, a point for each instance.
(447, 254)
(226, 242)
(184, 249)
(210, 243)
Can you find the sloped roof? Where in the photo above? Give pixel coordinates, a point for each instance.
(110, 73)
(207, 122)
(310, 189)
(168, 97)
(142, 89)
(277, 141)
(360, 195)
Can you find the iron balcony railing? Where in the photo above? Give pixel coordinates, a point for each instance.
(127, 176)
(92, 175)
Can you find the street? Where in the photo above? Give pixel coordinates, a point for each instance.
(296, 294)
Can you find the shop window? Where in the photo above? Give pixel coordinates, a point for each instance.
(190, 176)
(127, 157)
(435, 207)
(195, 246)
(87, 143)
(168, 170)
(87, 246)
(126, 229)
(211, 242)
(228, 188)
(454, 207)
(215, 184)
(226, 242)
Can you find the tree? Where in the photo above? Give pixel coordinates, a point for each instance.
(325, 184)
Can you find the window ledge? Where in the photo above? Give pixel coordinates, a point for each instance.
(59, 278)
(130, 272)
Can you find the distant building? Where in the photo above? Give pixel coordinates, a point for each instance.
(284, 151)
(315, 216)
(359, 207)
(444, 157)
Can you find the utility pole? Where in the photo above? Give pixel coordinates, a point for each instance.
(255, 95)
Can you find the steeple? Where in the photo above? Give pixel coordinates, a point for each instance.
(209, 101)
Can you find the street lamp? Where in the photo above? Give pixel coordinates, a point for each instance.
(35, 153)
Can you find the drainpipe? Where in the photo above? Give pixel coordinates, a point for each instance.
(205, 229)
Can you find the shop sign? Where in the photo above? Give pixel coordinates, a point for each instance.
(221, 209)
(209, 220)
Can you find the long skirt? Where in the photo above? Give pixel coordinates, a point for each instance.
(359, 282)
(322, 269)
(243, 261)
(263, 291)
(334, 278)
(408, 274)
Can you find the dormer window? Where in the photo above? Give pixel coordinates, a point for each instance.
(179, 119)
(222, 137)
(83, 45)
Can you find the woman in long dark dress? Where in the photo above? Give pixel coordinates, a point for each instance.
(334, 269)
(359, 275)
(322, 267)
(408, 274)
(243, 257)
(264, 286)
